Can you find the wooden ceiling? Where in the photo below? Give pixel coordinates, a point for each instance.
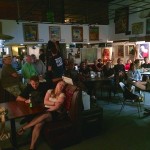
(56, 11)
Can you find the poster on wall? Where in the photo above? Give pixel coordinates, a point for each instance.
(120, 50)
(106, 54)
(143, 50)
(77, 34)
(54, 33)
(89, 53)
(121, 20)
(93, 33)
(30, 32)
(137, 28)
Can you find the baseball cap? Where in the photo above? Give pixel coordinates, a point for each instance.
(5, 56)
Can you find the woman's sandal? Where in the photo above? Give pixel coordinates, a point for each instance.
(20, 131)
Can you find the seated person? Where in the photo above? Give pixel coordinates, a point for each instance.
(100, 64)
(146, 63)
(108, 71)
(134, 76)
(84, 73)
(10, 79)
(127, 65)
(95, 67)
(145, 67)
(74, 75)
(53, 100)
(84, 70)
(71, 72)
(36, 90)
(15, 64)
(120, 74)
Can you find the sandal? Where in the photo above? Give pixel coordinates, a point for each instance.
(20, 131)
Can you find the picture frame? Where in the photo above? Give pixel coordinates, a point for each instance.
(93, 33)
(129, 50)
(143, 51)
(120, 50)
(30, 32)
(55, 33)
(137, 28)
(121, 20)
(77, 34)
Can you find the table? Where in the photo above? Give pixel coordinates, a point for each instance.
(90, 83)
(18, 110)
(145, 73)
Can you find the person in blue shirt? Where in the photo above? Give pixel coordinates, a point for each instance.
(134, 74)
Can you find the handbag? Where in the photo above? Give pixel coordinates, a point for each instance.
(4, 134)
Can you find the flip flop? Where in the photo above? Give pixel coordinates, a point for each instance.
(20, 131)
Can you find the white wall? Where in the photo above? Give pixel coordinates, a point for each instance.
(10, 27)
(133, 18)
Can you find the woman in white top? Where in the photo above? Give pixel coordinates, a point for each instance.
(53, 100)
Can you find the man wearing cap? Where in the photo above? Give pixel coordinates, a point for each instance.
(10, 79)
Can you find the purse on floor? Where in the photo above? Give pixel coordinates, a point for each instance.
(4, 134)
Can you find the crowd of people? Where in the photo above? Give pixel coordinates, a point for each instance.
(43, 80)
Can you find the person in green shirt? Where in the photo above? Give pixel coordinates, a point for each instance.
(28, 70)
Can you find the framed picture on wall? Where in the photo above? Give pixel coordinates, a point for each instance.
(143, 51)
(121, 20)
(129, 50)
(30, 32)
(120, 50)
(54, 33)
(93, 33)
(137, 28)
(77, 34)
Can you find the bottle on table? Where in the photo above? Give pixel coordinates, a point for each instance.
(30, 103)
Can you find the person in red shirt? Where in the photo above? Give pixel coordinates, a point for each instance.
(127, 65)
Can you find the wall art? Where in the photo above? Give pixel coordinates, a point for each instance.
(30, 32)
(77, 34)
(54, 33)
(121, 20)
(93, 33)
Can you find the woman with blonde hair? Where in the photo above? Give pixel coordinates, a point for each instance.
(53, 100)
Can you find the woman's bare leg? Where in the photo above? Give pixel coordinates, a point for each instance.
(38, 119)
(35, 134)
